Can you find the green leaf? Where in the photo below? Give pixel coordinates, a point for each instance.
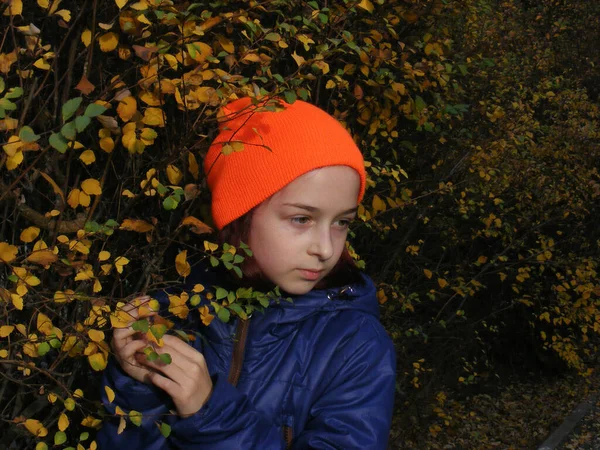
(2, 85)
(183, 335)
(93, 110)
(135, 417)
(158, 330)
(84, 436)
(81, 123)
(214, 261)
(7, 104)
(238, 271)
(15, 92)
(69, 131)
(70, 107)
(27, 135)
(290, 96)
(58, 142)
(195, 300)
(170, 203)
(165, 429)
(111, 223)
(221, 293)
(165, 358)
(60, 438)
(152, 356)
(420, 103)
(224, 315)
(141, 326)
(43, 348)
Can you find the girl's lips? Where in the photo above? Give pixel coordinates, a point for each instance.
(311, 275)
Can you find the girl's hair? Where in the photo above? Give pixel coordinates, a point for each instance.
(343, 273)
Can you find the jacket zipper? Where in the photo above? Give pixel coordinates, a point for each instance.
(237, 359)
(288, 436)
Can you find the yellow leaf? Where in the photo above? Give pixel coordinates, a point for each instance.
(44, 324)
(13, 146)
(69, 404)
(193, 165)
(122, 424)
(103, 255)
(41, 64)
(107, 144)
(7, 252)
(55, 187)
(96, 335)
(91, 186)
(44, 4)
(36, 428)
(482, 259)
(73, 198)
(226, 44)
(42, 257)
(97, 361)
(86, 37)
(154, 116)
(121, 3)
(90, 422)
(127, 108)
(108, 42)
(3, 353)
(128, 193)
(378, 204)
(174, 174)
(97, 285)
(181, 264)
(120, 262)
(330, 84)
(65, 14)
(14, 8)
(63, 422)
(300, 60)
(5, 330)
(149, 98)
(84, 199)
(141, 226)
(443, 283)
(88, 157)
(30, 234)
(13, 162)
(210, 246)
(428, 273)
(197, 226)
(110, 394)
(17, 301)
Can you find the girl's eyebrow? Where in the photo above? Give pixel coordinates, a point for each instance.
(314, 209)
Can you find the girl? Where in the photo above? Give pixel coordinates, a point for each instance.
(315, 373)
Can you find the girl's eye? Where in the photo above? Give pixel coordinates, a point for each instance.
(345, 223)
(303, 220)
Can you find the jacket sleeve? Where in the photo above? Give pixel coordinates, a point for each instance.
(131, 395)
(355, 408)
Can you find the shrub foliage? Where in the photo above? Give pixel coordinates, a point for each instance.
(479, 124)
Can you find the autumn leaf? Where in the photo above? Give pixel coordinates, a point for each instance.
(127, 108)
(174, 174)
(154, 117)
(181, 264)
(108, 41)
(13, 8)
(196, 225)
(44, 324)
(141, 226)
(96, 335)
(35, 427)
(7, 252)
(87, 157)
(42, 257)
(121, 262)
(193, 165)
(29, 234)
(91, 186)
(63, 422)
(85, 86)
(97, 361)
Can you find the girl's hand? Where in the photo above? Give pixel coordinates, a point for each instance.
(185, 379)
(127, 342)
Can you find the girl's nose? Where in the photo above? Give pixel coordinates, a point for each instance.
(322, 245)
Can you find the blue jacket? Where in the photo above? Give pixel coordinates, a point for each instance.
(316, 373)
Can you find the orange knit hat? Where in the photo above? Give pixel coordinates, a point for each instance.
(278, 147)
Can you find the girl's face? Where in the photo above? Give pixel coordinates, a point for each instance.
(298, 234)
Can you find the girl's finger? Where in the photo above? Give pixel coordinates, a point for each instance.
(185, 349)
(129, 350)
